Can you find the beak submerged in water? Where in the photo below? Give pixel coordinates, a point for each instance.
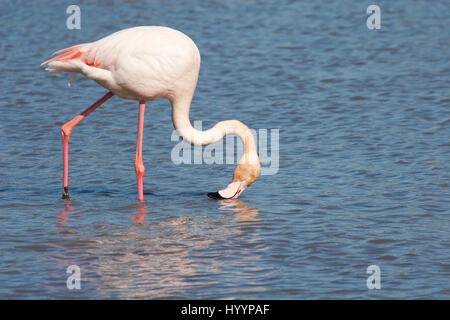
(244, 175)
(232, 191)
(215, 195)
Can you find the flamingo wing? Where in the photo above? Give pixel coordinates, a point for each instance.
(141, 63)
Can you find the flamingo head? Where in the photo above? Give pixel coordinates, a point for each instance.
(244, 175)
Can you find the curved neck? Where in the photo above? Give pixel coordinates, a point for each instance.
(181, 122)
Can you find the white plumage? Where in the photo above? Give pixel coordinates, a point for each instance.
(141, 63)
(144, 64)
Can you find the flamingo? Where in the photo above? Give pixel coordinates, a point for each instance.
(144, 64)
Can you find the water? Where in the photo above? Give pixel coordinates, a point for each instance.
(363, 173)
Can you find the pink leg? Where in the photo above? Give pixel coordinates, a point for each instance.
(138, 165)
(66, 129)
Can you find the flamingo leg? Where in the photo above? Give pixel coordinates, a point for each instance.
(66, 129)
(138, 164)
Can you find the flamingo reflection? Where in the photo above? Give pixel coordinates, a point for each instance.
(140, 214)
(61, 219)
(243, 211)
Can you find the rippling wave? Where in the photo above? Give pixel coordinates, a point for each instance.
(363, 179)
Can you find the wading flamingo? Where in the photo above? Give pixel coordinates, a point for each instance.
(144, 64)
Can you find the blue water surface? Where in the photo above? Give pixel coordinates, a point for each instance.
(363, 177)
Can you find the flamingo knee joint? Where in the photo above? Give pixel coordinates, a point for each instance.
(140, 169)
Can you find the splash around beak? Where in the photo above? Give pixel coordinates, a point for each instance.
(232, 191)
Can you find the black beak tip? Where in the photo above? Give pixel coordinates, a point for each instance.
(215, 195)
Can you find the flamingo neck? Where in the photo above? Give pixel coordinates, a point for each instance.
(181, 122)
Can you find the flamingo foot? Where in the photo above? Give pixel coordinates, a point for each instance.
(65, 194)
(232, 191)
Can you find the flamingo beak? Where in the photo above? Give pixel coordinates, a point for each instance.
(215, 195)
(232, 191)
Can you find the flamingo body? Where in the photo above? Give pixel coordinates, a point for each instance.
(144, 64)
(140, 63)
